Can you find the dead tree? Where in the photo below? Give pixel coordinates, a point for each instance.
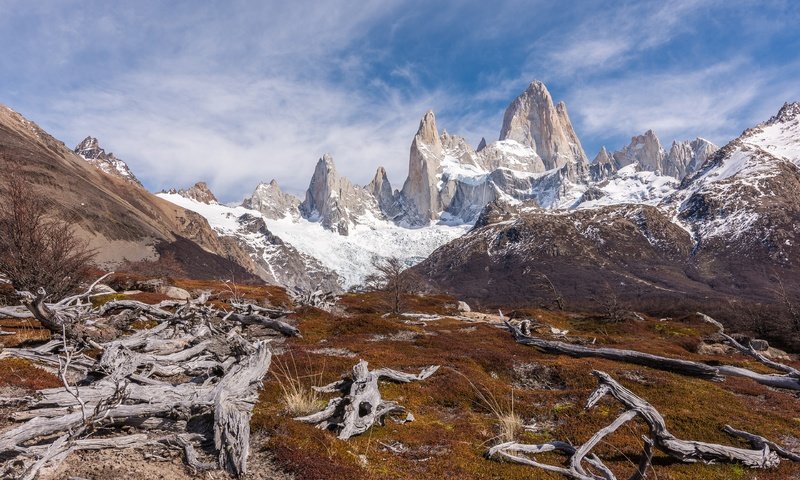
(361, 405)
(790, 305)
(37, 250)
(555, 294)
(765, 454)
(192, 363)
(394, 281)
(674, 365)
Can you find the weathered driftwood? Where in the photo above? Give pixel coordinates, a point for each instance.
(766, 454)
(234, 398)
(683, 367)
(317, 299)
(362, 405)
(221, 374)
(152, 310)
(273, 323)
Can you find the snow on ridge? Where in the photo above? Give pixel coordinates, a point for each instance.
(351, 255)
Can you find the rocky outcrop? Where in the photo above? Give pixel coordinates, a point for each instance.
(90, 150)
(532, 120)
(333, 200)
(273, 203)
(645, 149)
(602, 166)
(381, 189)
(198, 192)
(686, 157)
(512, 155)
(420, 196)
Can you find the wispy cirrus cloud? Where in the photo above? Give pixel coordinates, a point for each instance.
(233, 92)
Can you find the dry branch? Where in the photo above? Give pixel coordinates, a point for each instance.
(683, 367)
(361, 405)
(765, 454)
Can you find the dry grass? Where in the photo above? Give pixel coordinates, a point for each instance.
(297, 394)
(508, 424)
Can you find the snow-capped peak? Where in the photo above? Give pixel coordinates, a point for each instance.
(89, 149)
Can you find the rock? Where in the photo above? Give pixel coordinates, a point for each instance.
(759, 345)
(200, 192)
(381, 189)
(273, 204)
(333, 200)
(176, 293)
(463, 307)
(645, 149)
(602, 166)
(686, 157)
(419, 194)
(532, 120)
(90, 150)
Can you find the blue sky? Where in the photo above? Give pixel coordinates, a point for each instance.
(234, 92)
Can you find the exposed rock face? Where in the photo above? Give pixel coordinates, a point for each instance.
(199, 191)
(512, 155)
(646, 150)
(481, 144)
(274, 204)
(281, 263)
(90, 150)
(686, 157)
(420, 195)
(736, 226)
(333, 200)
(112, 211)
(602, 166)
(534, 121)
(381, 189)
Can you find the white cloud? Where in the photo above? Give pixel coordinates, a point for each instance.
(710, 102)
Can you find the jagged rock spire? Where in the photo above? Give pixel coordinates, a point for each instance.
(419, 192)
(532, 120)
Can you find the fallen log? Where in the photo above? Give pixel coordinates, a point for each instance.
(273, 323)
(362, 405)
(766, 454)
(674, 365)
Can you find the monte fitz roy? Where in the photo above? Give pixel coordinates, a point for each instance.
(531, 197)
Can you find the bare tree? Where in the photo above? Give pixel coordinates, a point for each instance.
(790, 305)
(555, 294)
(394, 280)
(37, 250)
(613, 308)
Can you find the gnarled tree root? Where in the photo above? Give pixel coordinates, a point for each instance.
(361, 405)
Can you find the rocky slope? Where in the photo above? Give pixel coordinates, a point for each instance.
(110, 209)
(728, 232)
(274, 260)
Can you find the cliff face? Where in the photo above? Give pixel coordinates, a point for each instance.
(532, 120)
(420, 196)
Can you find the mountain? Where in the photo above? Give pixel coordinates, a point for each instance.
(335, 202)
(419, 194)
(90, 150)
(532, 120)
(727, 233)
(110, 210)
(271, 202)
(274, 260)
(199, 191)
(684, 157)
